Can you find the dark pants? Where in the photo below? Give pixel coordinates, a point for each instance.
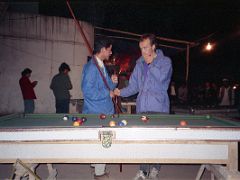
(29, 106)
(62, 105)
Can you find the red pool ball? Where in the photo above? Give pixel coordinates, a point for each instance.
(102, 116)
(183, 123)
(80, 121)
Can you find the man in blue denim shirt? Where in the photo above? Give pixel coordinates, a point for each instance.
(98, 95)
(150, 79)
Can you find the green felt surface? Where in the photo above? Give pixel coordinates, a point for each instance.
(134, 120)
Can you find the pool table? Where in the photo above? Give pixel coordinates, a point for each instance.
(47, 138)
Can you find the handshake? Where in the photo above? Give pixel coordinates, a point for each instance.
(115, 92)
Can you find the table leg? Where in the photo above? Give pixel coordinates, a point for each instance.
(233, 156)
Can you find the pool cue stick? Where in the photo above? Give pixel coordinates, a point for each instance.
(117, 109)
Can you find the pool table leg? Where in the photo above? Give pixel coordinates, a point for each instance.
(232, 164)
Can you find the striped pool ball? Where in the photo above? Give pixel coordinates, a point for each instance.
(124, 122)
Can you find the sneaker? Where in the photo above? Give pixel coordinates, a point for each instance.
(140, 175)
(153, 174)
(101, 177)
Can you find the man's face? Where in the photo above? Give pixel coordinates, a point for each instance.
(107, 52)
(147, 50)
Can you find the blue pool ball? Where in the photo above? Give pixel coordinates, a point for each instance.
(65, 118)
(74, 118)
(120, 123)
(84, 119)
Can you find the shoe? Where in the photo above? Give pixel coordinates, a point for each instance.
(140, 175)
(101, 177)
(153, 174)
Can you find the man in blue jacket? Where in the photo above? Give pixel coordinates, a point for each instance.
(97, 88)
(150, 79)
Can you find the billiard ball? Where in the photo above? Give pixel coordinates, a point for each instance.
(144, 118)
(183, 123)
(74, 118)
(113, 116)
(76, 123)
(102, 116)
(124, 122)
(84, 119)
(208, 116)
(80, 121)
(112, 123)
(120, 123)
(65, 118)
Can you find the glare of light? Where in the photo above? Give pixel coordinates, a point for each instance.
(208, 47)
(234, 87)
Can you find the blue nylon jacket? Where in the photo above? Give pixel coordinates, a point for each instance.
(96, 96)
(152, 87)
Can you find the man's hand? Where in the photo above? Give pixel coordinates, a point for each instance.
(117, 92)
(112, 94)
(114, 78)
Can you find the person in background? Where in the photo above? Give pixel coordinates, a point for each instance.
(150, 78)
(97, 87)
(27, 88)
(61, 84)
(225, 93)
(183, 94)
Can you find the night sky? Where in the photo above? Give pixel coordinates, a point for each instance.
(217, 21)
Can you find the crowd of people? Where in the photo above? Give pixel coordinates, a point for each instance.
(206, 94)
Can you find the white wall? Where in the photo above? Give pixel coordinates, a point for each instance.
(40, 43)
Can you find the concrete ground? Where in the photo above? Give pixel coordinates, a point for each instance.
(84, 172)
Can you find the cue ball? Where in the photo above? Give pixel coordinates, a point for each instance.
(102, 116)
(183, 123)
(112, 123)
(65, 118)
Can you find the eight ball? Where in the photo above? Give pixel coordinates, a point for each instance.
(84, 119)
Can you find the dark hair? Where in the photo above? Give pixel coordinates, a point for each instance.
(151, 37)
(26, 71)
(101, 43)
(64, 66)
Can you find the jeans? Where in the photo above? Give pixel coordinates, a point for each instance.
(29, 106)
(62, 105)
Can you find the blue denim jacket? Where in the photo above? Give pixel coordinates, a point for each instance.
(151, 86)
(96, 96)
